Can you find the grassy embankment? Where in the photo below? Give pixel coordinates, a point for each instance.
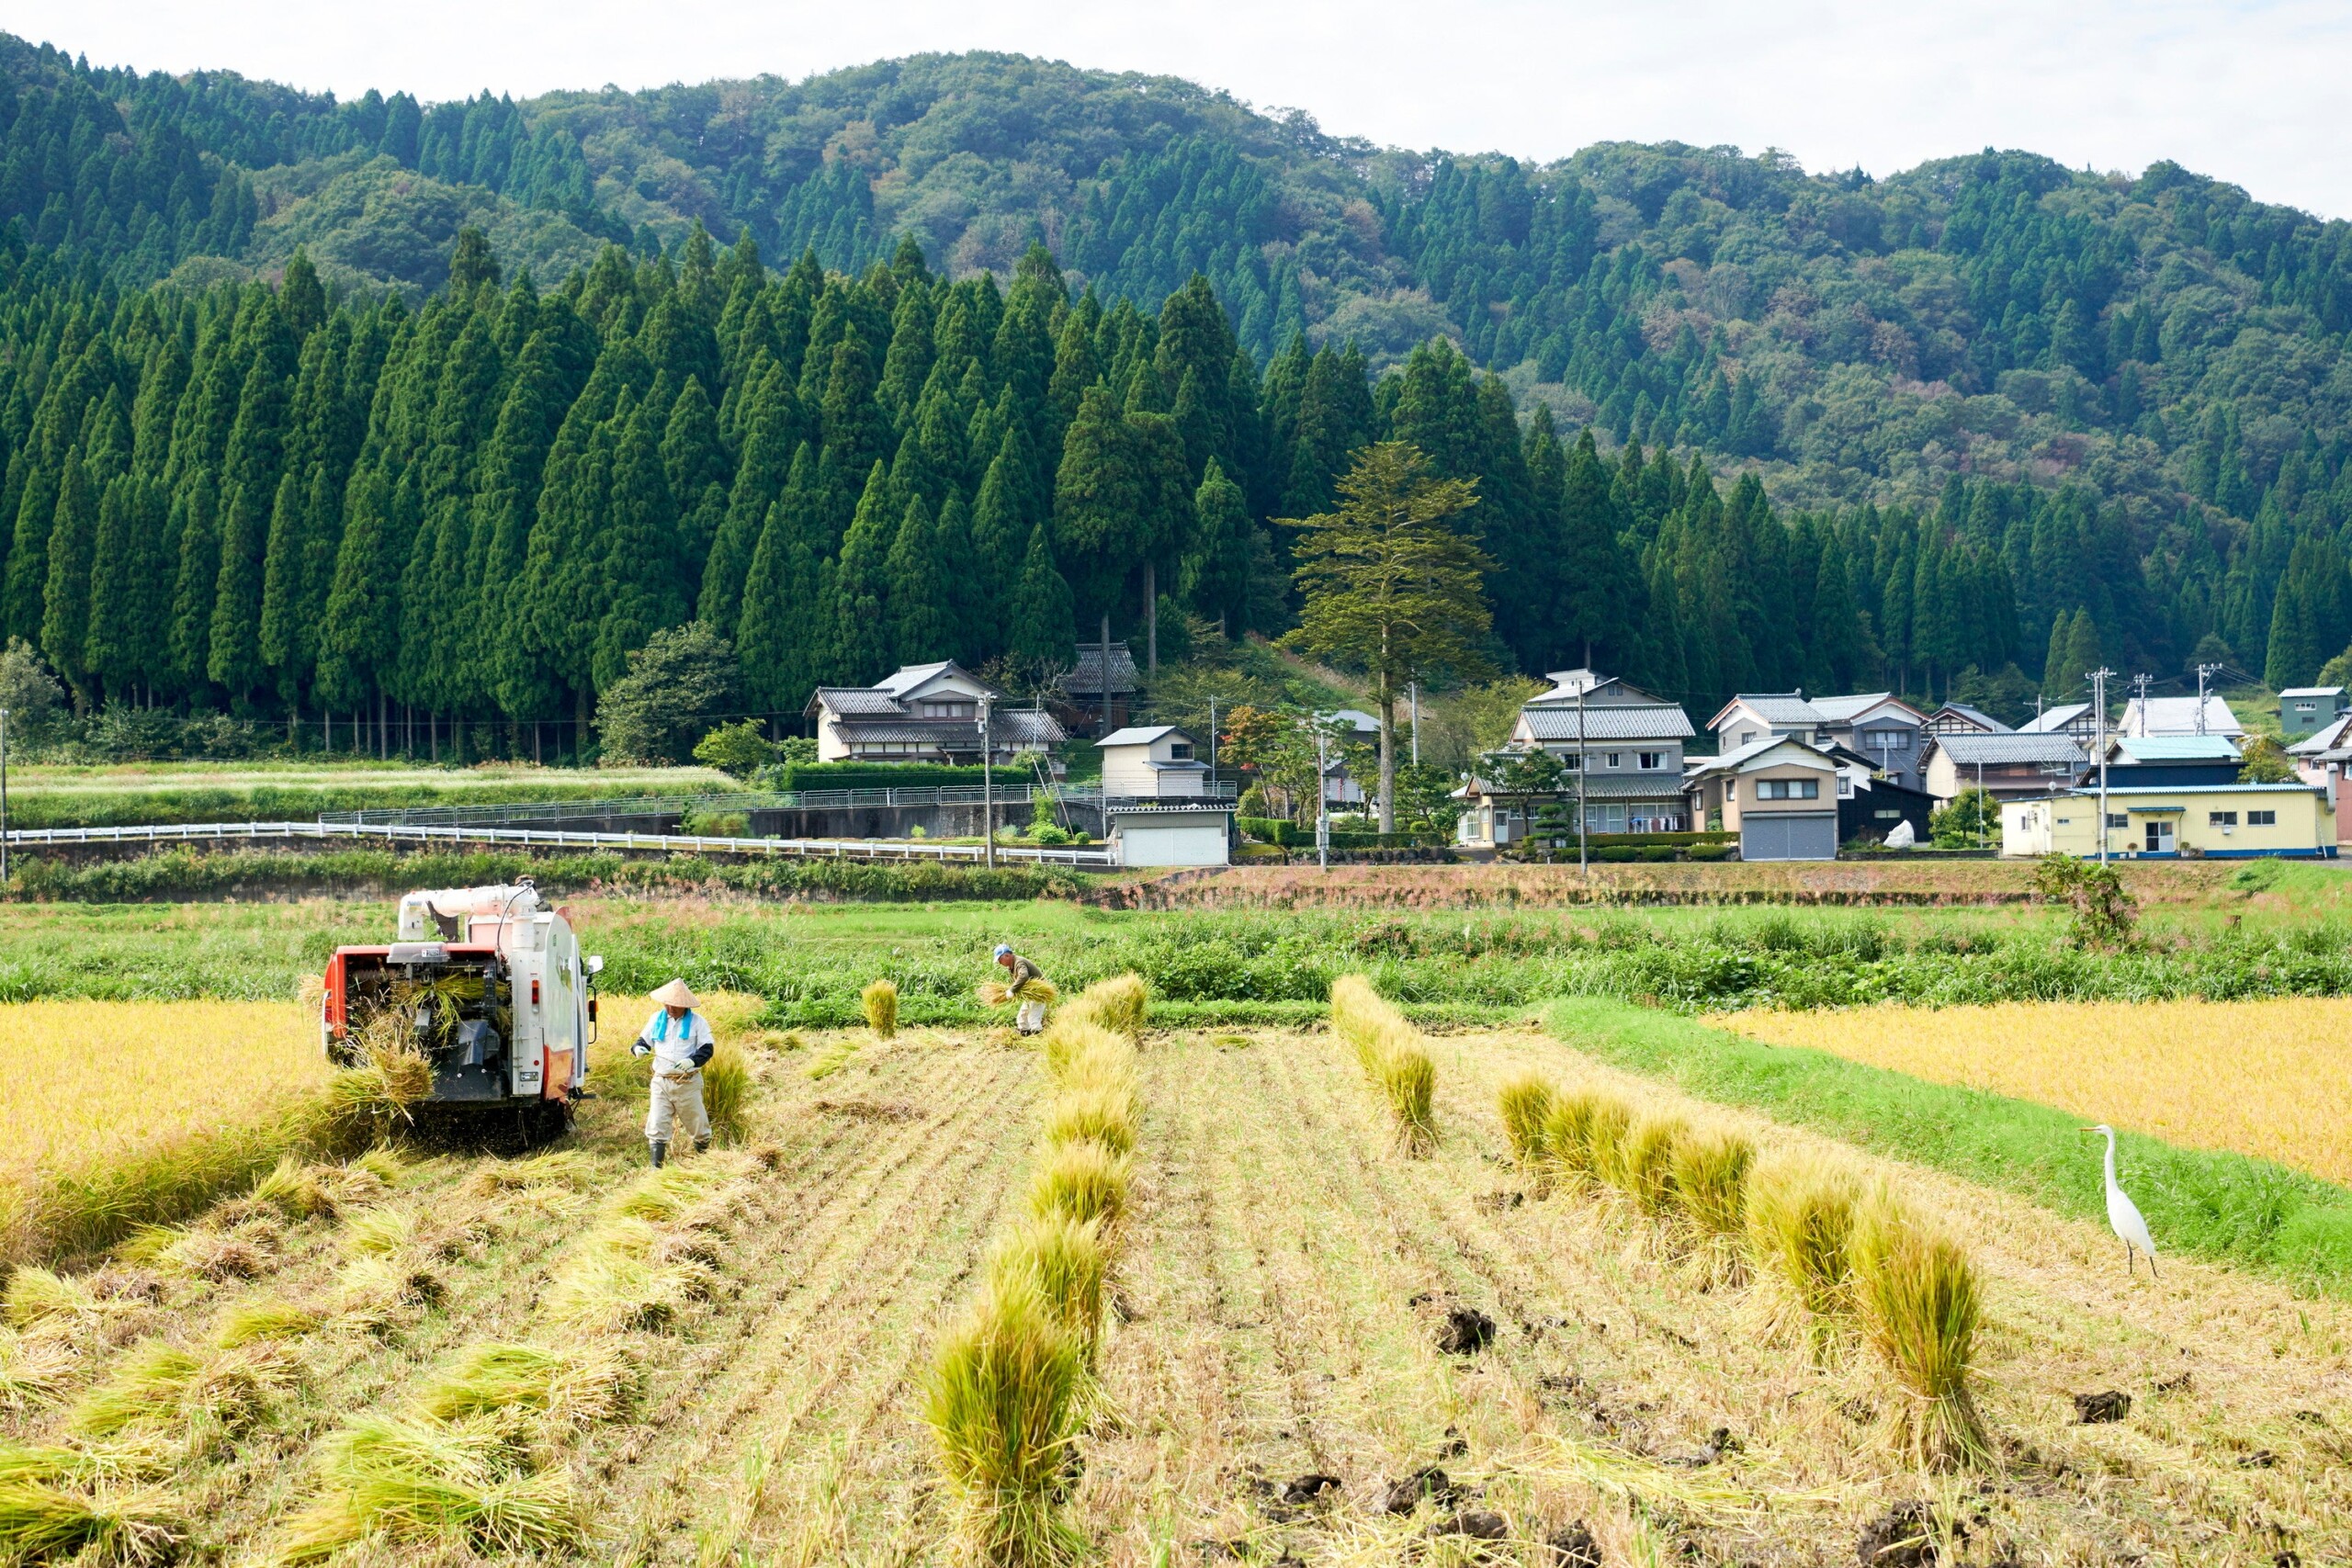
(200, 792)
(809, 959)
(2214, 1205)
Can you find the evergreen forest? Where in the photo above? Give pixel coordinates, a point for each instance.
(370, 408)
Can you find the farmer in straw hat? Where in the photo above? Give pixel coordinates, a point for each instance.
(1019, 972)
(678, 1039)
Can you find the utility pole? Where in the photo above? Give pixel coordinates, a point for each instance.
(2204, 673)
(2098, 679)
(1211, 744)
(2140, 685)
(988, 789)
(1105, 671)
(1584, 856)
(4, 796)
(1322, 800)
(1415, 689)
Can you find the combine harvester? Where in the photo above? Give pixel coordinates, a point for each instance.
(491, 988)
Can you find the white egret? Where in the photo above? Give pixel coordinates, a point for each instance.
(2122, 1214)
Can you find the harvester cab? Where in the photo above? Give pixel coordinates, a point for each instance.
(489, 984)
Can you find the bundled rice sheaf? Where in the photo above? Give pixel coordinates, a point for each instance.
(1801, 1215)
(1644, 1166)
(1070, 1040)
(249, 1322)
(1920, 1306)
(573, 1389)
(1098, 1113)
(1005, 1404)
(880, 1001)
(1068, 1265)
(223, 1390)
(53, 1508)
(1526, 1104)
(35, 1368)
(38, 1295)
(1121, 1004)
(1083, 1182)
(997, 994)
(1391, 1052)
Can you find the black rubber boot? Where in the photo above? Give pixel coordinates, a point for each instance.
(661, 1149)
(702, 1145)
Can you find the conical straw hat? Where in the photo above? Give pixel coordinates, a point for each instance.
(675, 995)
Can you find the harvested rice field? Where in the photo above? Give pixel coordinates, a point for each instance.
(435, 1355)
(84, 1082)
(2261, 1077)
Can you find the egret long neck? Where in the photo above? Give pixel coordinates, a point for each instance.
(2111, 1161)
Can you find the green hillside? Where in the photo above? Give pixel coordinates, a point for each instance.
(2002, 413)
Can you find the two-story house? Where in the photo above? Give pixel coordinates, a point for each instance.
(1620, 744)
(924, 712)
(1876, 725)
(1777, 792)
(2012, 766)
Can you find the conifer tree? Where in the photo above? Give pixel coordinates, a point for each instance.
(861, 640)
(197, 572)
(65, 600)
(1000, 529)
(643, 587)
(922, 607)
(125, 583)
(1040, 625)
(768, 455)
(1215, 581)
(1104, 518)
(695, 462)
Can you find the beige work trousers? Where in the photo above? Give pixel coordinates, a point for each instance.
(679, 1096)
(1032, 1017)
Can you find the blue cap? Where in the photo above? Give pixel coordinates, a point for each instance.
(1002, 951)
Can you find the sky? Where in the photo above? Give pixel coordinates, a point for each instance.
(2248, 91)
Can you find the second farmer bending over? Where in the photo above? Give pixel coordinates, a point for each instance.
(1019, 972)
(678, 1039)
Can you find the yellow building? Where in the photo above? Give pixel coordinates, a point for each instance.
(2156, 822)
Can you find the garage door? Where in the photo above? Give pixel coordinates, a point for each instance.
(1813, 836)
(1172, 846)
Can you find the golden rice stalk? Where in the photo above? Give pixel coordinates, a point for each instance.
(468, 1484)
(34, 1368)
(606, 1292)
(1072, 1038)
(1606, 1130)
(1920, 1307)
(296, 1189)
(997, 994)
(1003, 1402)
(1084, 1183)
(664, 1195)
(1066, 1263)
(1409, 1078)
(228, 1391)
(1102, 1115)
(1643, 1168)
(725, 1091)
(268, 1319)
(36, 1296)
(576, 1389)
(380, 1232)
(210, 1255)
(1568, 1127)
(834, 1057)
(44, 1522)
(1362, 1018)
(561, 1170)
(1526, 1105)
(1801, 1213)
(881, 1001)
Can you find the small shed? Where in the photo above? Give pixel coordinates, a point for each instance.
(1171, 835)
(2305, 710)
(1152, 762)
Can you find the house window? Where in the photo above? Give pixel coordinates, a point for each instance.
(951, 710)
(1788, 789)
(2119, 820)
(1895, 815)
(1649, 761)
(1180, 751)
(2221, 820)
(2262, 819)
(1748, 738)
(1612, 759)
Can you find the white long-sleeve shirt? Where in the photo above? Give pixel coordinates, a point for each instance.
(675, 1041)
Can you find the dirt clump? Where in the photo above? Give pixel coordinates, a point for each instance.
(2094, 1409)
(1402, 1496)
(1478, 1524)
(1903, 1537)
(1574, 1546)
(1467, 1332)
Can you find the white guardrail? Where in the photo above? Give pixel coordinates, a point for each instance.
(675, 843)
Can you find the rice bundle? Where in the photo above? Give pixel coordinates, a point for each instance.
(1390, 1051)
(1919, 1305)
(997, 994)
(881, 1001)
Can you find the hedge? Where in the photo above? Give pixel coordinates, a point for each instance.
(875, 775)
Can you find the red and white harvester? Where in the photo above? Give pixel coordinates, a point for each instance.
(490, 986)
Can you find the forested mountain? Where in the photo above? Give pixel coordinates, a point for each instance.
(1842, 431)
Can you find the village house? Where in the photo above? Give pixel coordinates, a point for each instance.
(1878, 725)
(2305, 710)
(2180, 716)
(1959, 718)
(2324, 760)
(2011, 766)
(2139, 760)
(924, 712)
(2075, 719)
(1779, 795)
(2227, 821)
(1152, 762)
(1096, 693)
(1623, 743)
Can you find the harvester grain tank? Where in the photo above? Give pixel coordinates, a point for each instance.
(489, 985)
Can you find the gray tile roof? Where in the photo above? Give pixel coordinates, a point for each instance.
(844, 700)
(1779, 707)
(1085, 675)
(1610, 722)
(2051, 720)
(1999, 750)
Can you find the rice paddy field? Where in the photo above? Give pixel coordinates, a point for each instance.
(84, 1083)
(2264, 1077)
(1338, 1313)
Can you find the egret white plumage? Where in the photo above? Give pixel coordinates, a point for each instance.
(2124, 1214)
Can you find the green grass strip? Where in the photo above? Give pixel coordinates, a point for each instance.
(2224, 1207)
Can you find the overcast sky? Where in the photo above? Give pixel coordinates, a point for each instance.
(2250, 91)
